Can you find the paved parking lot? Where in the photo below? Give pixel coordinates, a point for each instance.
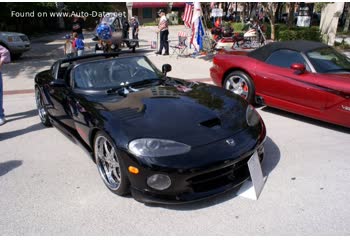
(49, 186)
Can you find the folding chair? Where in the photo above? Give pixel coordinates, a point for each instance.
(181, 47)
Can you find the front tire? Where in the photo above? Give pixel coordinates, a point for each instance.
(42, 111)
(110, 165)
(241, 84)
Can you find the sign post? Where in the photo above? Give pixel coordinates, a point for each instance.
(252, 189)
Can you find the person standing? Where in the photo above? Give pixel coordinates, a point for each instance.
(164, 33)
(126, 27)
(78, 45)
(4, 58)
(135, 29)
(77, 26)
(68, 47)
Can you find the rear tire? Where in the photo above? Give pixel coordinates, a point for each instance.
(241, 84)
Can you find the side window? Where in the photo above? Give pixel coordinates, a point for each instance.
(284, 58)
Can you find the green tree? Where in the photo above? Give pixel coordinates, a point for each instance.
(271, 10)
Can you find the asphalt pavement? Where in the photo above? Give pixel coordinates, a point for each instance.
(49, 186)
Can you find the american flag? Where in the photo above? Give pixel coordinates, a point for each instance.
(187, 17)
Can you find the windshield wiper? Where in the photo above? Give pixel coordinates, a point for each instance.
(122, 90)
(144, 82)
(114, 89)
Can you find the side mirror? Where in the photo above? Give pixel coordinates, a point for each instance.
(58, 83)
(299, 68)
(166, 68)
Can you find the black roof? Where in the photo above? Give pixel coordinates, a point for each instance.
(296, 45)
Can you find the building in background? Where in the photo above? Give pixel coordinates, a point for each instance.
(146, 12)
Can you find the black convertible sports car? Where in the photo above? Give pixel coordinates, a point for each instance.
(164, 139)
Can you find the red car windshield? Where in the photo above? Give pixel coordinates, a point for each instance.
(327, 60)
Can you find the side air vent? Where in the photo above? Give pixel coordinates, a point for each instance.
(214, 123)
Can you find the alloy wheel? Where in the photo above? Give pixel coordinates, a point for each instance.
(237, 85)
(40, 106)
(108, 163)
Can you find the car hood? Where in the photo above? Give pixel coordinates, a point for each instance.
(7, 34)
(195, 115)
(338, 82)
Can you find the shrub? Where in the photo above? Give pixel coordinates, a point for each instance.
(237, 26)
(342, 45)
(312, 34)
(150, 24)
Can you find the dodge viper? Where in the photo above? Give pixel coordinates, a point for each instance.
(163, 139)
(303, 77)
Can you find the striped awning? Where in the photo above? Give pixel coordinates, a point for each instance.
(156, 4)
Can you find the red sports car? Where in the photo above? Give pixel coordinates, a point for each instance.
(303, 77)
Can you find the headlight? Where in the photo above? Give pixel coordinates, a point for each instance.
(150, 147)
(159, 181)
(13, 39)
(252, 116)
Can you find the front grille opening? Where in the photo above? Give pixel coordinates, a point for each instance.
(212, 123)
(233, 174)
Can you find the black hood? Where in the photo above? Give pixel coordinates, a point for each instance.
(195, 115)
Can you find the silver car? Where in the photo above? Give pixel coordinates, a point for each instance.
(16, 43)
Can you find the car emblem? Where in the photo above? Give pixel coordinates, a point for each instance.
(231, 142)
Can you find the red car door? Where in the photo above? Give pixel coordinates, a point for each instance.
(283, 87)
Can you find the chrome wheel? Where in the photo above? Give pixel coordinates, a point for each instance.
(108, 163)
(238, 85)
(43, 115)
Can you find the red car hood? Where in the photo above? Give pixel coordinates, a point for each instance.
(339, 82)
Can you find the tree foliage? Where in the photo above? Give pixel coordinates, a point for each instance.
(271, 10)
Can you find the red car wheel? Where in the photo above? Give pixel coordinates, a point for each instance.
(241, 84)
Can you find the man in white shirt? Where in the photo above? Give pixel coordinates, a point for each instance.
(164, 33)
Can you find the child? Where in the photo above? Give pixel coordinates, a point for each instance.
(78, 45)
(68, 47)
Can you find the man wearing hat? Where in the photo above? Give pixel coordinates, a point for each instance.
(164, 33)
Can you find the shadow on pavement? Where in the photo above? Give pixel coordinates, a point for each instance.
(271, 159)
(6, 167)
(16, 133)
(26, 68)
(306, 119)
(21, 115)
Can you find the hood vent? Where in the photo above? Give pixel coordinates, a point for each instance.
(126, 114)
(214, 123)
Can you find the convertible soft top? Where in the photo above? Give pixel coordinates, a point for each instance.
(296, 45)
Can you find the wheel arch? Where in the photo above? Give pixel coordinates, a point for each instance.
(4, 45)
(93, 134)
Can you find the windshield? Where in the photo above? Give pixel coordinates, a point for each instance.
(112, 73)
(326, 60)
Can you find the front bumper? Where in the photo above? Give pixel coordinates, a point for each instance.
(19, 47)
(200, 186)
(215, 75)
(190, 180)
